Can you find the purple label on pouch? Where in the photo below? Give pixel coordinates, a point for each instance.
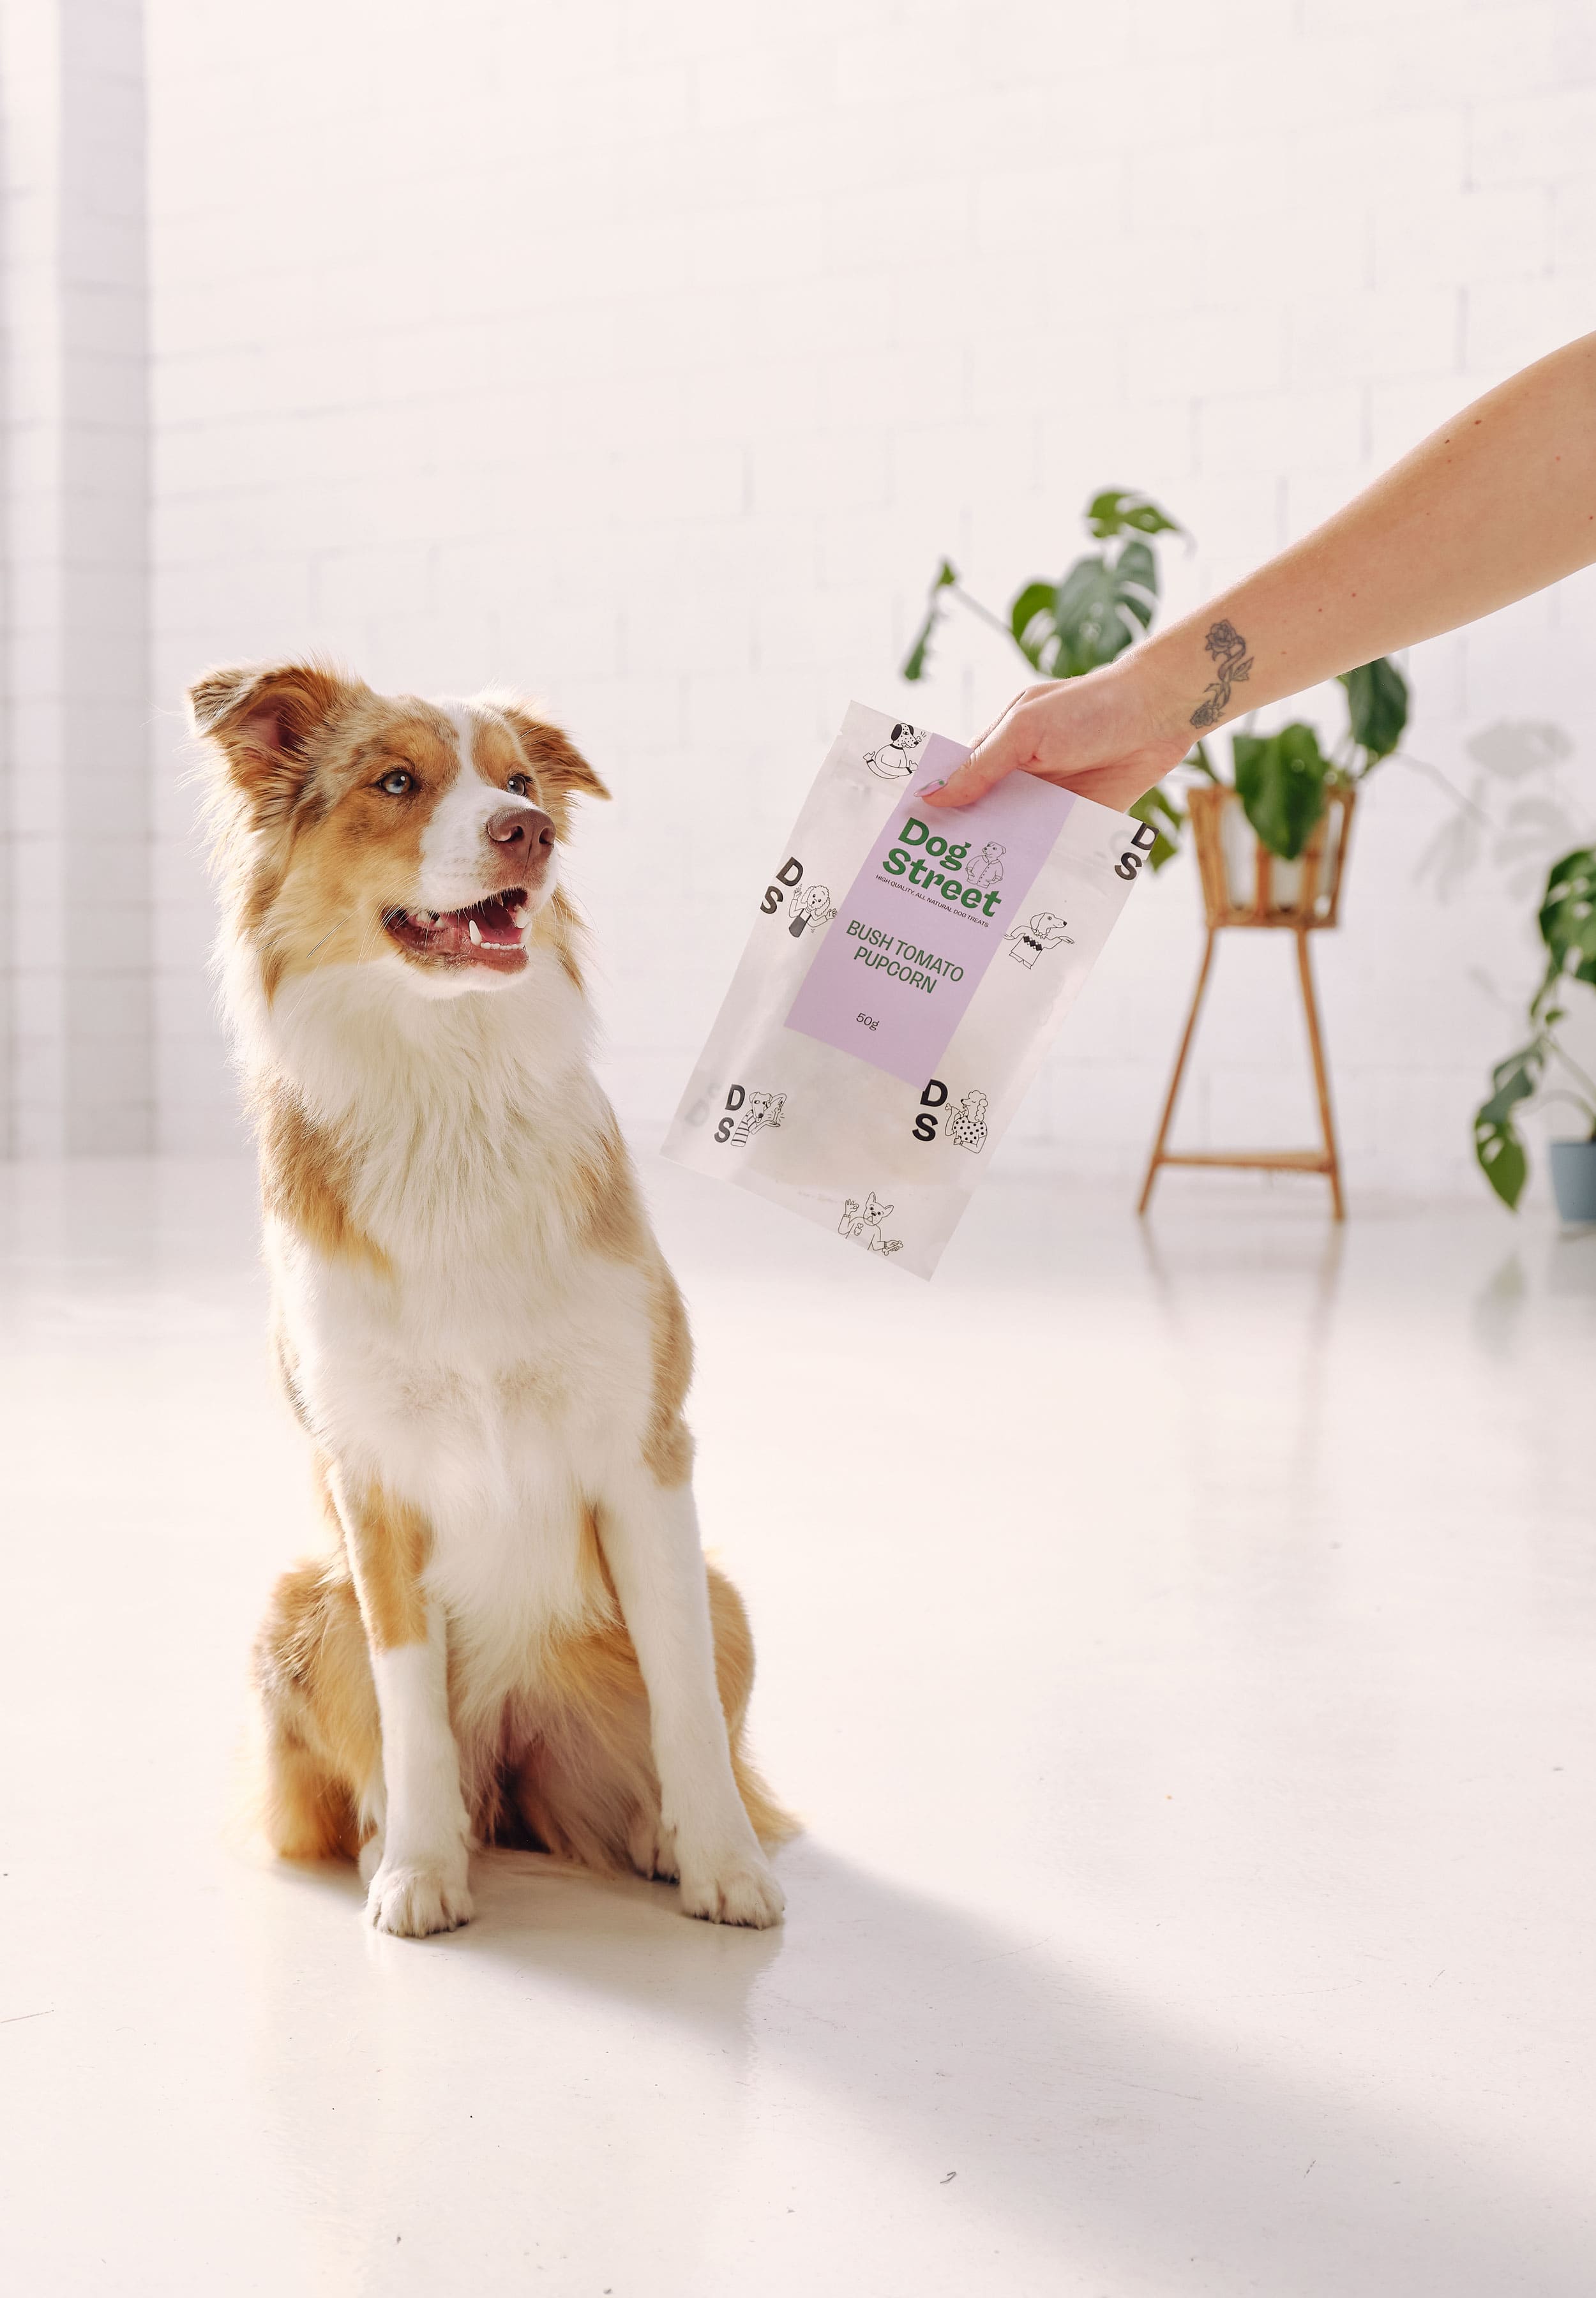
(937, 897)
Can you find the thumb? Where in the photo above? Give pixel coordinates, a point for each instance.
(995, 755)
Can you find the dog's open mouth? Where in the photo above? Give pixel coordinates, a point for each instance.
(490, 932)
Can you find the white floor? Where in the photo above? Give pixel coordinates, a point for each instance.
(1177, 1638)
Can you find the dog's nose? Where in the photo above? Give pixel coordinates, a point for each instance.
(525, 831)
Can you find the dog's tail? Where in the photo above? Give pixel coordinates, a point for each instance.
(734, 1670)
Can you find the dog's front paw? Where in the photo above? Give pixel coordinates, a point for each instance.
(736, 1885)
(415, 1898)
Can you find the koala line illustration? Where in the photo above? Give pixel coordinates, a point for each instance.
(985, 869)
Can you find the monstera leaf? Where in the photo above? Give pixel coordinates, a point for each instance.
(1497, 1144)
(1376, 699)
(1076, 624)
(1568, 918)
(1091, 616)
(946, 577)
(1117, 508)
(1280, 781)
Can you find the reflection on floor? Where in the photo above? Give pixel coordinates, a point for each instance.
(1179, 1640)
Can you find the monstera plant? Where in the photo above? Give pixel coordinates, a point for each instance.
(1104, 601)
(1544, 1070)
(1285, 781)
(1090, 614)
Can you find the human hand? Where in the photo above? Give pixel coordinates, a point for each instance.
(1096, 735)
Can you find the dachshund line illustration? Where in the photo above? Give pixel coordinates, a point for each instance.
(1044, 931)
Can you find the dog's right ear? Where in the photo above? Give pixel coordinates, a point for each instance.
(263, 719)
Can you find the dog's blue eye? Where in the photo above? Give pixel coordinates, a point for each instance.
(397, 783)
(516, 785)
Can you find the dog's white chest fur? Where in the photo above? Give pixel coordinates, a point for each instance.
(488, 1406)
(490, 1374)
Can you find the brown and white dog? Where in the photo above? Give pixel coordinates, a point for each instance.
(515, 1637)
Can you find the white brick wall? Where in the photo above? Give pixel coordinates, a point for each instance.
(75, 824)
(650, 357)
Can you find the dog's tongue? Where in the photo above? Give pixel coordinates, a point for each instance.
(495, 924)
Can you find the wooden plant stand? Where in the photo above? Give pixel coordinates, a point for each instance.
(1245, 885)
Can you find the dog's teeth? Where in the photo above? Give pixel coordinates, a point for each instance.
(474, 930)
(427, 917)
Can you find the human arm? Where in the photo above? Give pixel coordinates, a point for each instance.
(1498, 502)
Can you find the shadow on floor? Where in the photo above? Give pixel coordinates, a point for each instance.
(1073, 2116)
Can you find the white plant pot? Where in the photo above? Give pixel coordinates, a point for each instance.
(1573, 1180)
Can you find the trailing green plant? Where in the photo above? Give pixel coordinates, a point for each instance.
(1103, 603)
(1567, 919)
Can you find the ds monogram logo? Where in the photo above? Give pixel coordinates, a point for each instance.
(1129, 865)
(790, 874)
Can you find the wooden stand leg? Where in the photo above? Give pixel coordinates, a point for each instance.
(1186, 1045)
(1320, 1077)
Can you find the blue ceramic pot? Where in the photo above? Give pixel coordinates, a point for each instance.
(1573, 1179)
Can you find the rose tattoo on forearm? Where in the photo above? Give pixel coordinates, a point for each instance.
(1232, 665)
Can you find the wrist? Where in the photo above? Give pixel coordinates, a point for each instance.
(1151, 706)
(1171, 675)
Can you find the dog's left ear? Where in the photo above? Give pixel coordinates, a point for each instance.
(552, 756)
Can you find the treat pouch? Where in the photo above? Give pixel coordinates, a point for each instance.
(907, 971)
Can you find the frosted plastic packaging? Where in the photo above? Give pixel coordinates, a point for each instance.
(907, 968)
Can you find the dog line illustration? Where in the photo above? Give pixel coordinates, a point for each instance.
(763, 1109)
(986, 870)
(814, 909)
(862, 1225)
(1044, 931)
(967, 1124)
(896, 759)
